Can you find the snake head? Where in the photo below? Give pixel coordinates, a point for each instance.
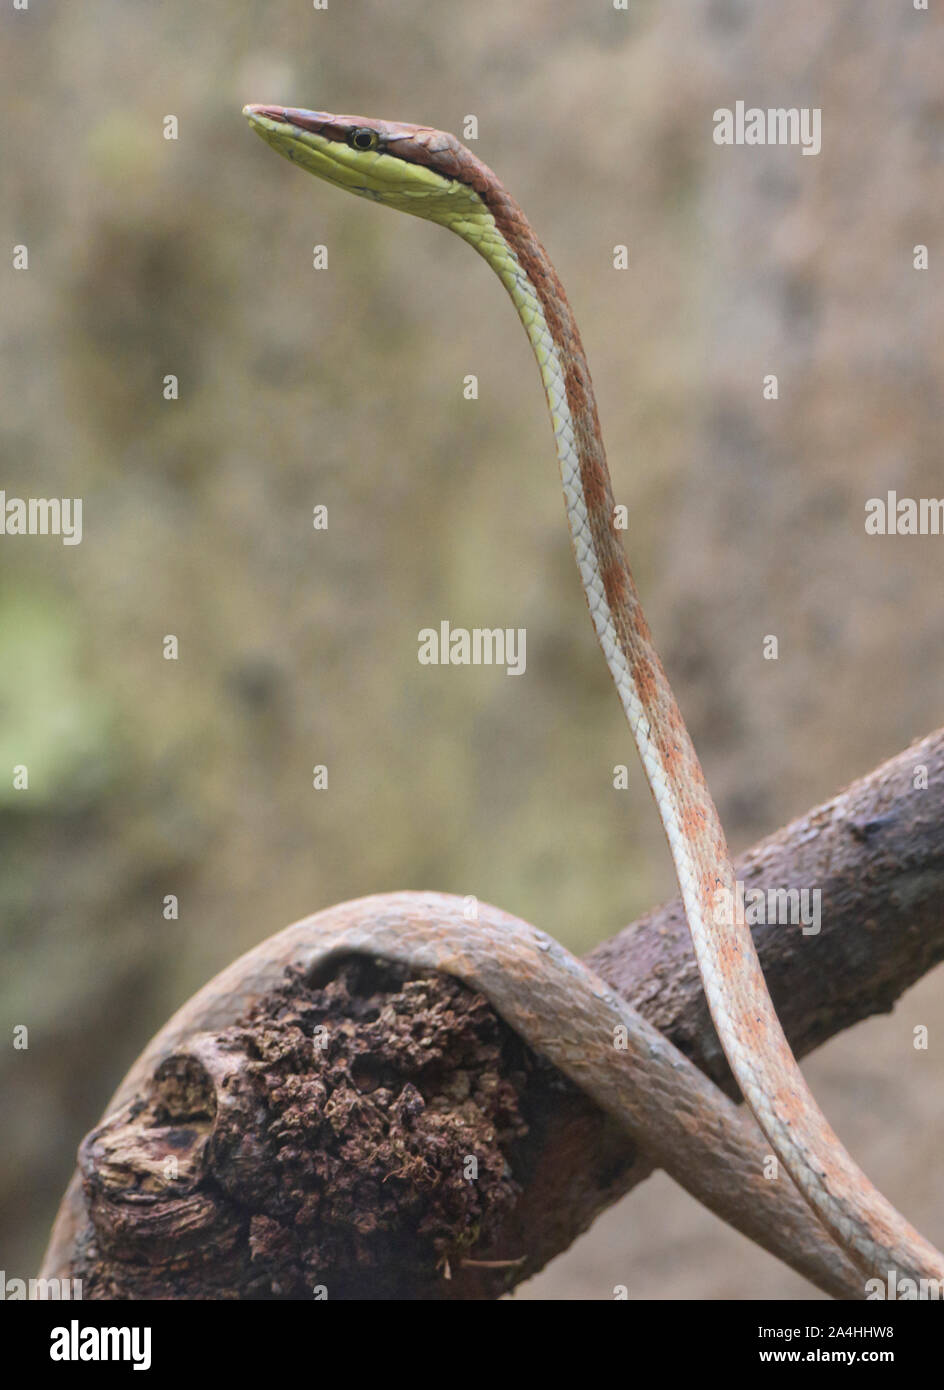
(412, 168)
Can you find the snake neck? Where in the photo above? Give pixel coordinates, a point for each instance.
(503, 236)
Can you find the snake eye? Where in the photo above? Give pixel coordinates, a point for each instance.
(363, 139)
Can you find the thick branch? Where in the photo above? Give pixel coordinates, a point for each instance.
(875, 857)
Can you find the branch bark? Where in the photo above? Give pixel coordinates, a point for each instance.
(875, 856)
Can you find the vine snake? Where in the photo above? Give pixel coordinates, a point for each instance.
(554, 1002)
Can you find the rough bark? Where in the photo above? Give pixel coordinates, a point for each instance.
(261, 1200)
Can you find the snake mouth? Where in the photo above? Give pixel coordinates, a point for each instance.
(272, 113)
(257, 114)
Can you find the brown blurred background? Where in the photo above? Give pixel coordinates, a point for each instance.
(344, 387)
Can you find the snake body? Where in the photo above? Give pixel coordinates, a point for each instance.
(431, 174)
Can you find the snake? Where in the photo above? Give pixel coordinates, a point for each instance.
(829, 1221)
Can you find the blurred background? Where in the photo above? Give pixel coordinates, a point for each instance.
(343, 387)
